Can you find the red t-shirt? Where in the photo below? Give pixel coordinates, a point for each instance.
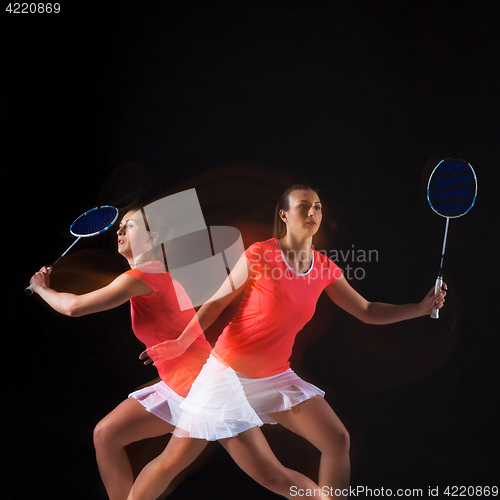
(157, 317)
(276, 305)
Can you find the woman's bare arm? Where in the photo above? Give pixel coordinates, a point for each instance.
(119, 291)
(379, 313)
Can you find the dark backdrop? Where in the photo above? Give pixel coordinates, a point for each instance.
(103, 104)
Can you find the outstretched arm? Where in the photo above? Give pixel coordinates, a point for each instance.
(206, 315)
(123, 288)
(377, 313)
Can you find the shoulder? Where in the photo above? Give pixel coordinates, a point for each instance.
(152, 274)
(322, 258)
(261, 247)
(128, 284)
(329, 270)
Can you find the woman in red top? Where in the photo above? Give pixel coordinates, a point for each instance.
(285, 278)
(156, 317)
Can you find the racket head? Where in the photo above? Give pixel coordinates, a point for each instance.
(452, 188)
(94, 221)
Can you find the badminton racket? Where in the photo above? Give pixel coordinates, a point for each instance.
(451, 193)
(91, 223)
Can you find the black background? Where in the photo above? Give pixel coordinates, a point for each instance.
(239, 99)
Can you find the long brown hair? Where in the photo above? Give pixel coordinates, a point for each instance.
(284, 204)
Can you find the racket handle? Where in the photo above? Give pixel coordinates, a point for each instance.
(437, 288)
(29, 289)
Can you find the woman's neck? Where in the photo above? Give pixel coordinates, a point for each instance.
(297, 244)
(297, 252)
(137, 263)
(131, 263)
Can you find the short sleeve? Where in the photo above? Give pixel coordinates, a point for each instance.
(254, 254)
(149, 279)
(330, 271)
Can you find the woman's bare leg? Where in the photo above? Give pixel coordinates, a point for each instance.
(316, 421)
(127, 423)
(158, 474)
(251, 451)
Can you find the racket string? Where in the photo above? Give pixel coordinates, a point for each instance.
(452, 188)
(94, 221)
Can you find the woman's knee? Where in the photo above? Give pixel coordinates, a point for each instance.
(338, 442)
(106, 434)
(100, 435)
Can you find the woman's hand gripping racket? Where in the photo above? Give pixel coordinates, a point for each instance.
(451, 193)
(91, 223)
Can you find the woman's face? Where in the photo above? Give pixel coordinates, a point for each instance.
(304, 215)
(133, 238)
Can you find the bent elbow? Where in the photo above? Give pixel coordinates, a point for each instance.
(72, 310)
(366, 315)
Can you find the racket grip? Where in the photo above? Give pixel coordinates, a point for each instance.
(29, 289)
(437, 288)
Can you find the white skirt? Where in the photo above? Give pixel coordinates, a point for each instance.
(161, 401)
(223, 403)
